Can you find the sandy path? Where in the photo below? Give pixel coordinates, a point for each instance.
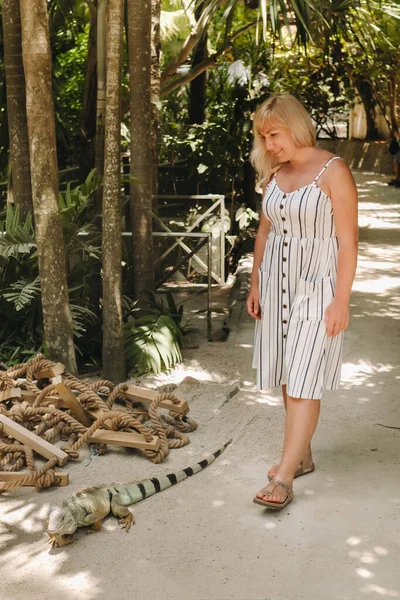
(205, 539)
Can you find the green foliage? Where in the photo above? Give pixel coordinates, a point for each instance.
(153, 331)
(246, 217)
(21, 323)
(213, 152)
(22, 292)
(153, 336)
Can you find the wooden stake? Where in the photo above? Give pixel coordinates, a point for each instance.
(10, 393)
(147, 396)
(53, 371)
(31, 397)
(124, 438)
(7, 476)
(32, 440)
(71, 401)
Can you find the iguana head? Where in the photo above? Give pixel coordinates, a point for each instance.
(61, 527)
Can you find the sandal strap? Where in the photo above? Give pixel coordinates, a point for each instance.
(283, 485)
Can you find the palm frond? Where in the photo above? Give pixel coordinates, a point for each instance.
(153, 344)
(22, 292)
(16, 237)
(82, 317)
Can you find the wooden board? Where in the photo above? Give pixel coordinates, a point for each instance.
(6, 476)
(57, 369)
(71, 401)
(124, 438)
(32, 440)
(10, 393)
(147, 396)
(97, 413)
(31, 397)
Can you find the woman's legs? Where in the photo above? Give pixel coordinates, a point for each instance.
(301, 421)
(307, 458)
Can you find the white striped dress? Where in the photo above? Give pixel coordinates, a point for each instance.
(297, 280)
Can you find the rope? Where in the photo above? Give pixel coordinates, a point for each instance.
(42, 478)
(52, 423)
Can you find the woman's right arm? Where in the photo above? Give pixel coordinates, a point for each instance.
(253, 299)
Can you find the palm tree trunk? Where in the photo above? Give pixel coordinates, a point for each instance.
(113, 341)
(101, 93)
(16, 107)
(155, 89)
(90, 95)
(139, 40)
(36, 54)
(197, 95)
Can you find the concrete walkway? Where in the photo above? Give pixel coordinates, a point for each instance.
(204, 539)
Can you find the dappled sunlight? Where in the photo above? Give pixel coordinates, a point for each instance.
(218, 503)
(358, 374)
(25, 545)
(377, 589)
(269, 400)
(367, 559)
(190, 369)
(378, 286)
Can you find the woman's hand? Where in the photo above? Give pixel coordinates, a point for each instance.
(253, 303)
(336, 317)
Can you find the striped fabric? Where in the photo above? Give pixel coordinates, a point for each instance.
(297, 279)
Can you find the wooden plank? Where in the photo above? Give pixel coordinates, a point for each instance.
(147, 396)
(71, 401)
(6, 476)
(97, 413)
(32, 440)
(10, 393)
(57, 369)
(31, 397)
(124, 438)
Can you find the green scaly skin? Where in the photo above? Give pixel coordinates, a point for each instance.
(88, 508)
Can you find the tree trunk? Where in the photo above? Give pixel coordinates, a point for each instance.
(113, 340)
(197, 95)
(155, 90)
(16, 108)
(392, 87)
(139, 40)
(365, 91)
(36, 56)
(101, 93)
(90, 96)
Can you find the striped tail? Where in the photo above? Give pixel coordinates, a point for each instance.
(135, 492)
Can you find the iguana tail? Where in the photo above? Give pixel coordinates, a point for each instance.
(135, 492)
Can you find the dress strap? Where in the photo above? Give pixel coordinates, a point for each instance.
(326, 166)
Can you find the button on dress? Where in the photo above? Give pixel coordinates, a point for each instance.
(297, 280)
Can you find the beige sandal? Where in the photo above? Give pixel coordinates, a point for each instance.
(275, 505)
(300, 471)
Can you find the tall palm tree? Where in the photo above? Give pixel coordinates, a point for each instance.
(274, 14)
(139, 43)
(16, 107)
(113, 341)
(36, 55)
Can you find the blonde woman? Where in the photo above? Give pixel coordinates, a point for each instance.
(305, 260)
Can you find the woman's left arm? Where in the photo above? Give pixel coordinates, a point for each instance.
(345, 215)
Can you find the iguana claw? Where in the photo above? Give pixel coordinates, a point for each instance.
(127, 522)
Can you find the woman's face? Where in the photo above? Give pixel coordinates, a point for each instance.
(278, 141)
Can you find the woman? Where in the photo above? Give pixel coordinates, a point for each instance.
(305, 260)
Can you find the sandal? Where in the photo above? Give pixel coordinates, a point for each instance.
(275, 505)
(300, 471)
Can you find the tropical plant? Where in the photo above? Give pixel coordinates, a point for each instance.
(153, 334)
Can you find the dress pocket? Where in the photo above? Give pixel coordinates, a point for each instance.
(312, 299)
(263, 279)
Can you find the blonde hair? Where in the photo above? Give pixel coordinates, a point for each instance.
(283, 111)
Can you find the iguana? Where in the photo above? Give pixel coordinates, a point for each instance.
(88, 508)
